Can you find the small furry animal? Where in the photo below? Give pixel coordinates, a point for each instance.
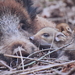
(47, 36)
(18, 21)
(64, 28)
(56, 39)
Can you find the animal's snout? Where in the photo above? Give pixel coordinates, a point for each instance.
(19, 49)
(31, 38)
(24, 46)
(34, 40)
(42, 44)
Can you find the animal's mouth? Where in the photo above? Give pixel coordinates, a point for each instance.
(45, 46)
(41, 44)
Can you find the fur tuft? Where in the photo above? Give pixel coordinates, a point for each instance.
(32, 11)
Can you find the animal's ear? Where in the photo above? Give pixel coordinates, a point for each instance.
(69, 29)
(32, 11)
(60, 37)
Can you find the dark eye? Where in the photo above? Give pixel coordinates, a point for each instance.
(46, 35)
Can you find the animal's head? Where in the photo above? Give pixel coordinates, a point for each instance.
(47, 36)
(64, 28)
(15, 24)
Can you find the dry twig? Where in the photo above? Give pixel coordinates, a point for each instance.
(48, 54)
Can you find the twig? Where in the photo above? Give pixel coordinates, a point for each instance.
(56, 19)
(40, 68)
(6, 65)
(71, 71)
(40, 51)
(12, 56)
(49, 53)
(19, 48)
(45, 67)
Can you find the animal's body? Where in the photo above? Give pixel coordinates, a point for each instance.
(56, 39)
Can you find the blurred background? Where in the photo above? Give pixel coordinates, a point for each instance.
(57, 11)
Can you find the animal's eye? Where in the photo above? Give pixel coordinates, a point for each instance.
(46, 35)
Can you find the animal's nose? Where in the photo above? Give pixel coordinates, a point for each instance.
(31, 38)
(19, 50)
(34, 40)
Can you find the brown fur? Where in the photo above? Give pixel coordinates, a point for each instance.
(40, 23)
(48, 35)
(53, 35)
(64, 28)
(12, 7)
(16, 26)
(12, 34)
